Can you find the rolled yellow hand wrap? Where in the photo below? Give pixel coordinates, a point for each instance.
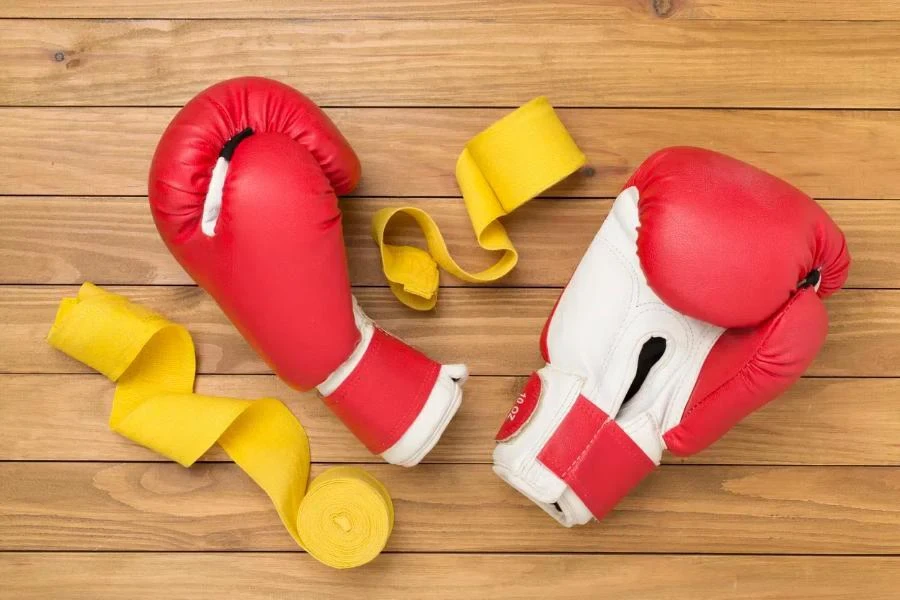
(343, 520)
(499, 170)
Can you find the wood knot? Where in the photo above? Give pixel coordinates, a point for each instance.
(662, 8)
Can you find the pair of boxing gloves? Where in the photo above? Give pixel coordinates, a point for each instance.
(699, 300)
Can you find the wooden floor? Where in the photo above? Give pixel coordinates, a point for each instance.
(802, 500)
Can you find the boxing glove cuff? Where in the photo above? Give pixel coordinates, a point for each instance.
(395, 399)
(572, 460)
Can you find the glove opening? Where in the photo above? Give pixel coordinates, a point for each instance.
(811, 280)
(229, 147)
(212, 205)
(652, 350)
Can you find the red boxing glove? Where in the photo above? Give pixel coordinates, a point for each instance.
(243, 189)
(699, 300)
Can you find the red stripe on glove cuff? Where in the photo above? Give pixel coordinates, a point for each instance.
(385, 393)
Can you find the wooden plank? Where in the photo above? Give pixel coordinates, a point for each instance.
(448, 508)
(820, 421)
(149, 576)
(458, 63)
(476, 10)
(865, 327)
(411, 152)
(113, 240)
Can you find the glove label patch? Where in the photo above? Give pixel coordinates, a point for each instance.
(522, 410)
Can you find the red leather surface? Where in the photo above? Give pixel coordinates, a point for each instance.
(598, 460)
(725, 242)
(384, 394)
(747, 368)
(276, 265)
(522, 409)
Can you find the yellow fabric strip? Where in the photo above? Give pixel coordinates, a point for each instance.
(343, 520)
(499, 170)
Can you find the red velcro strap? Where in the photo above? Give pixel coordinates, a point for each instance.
(385, 393)
(591, 453)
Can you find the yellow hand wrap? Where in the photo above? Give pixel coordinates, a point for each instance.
(499, 170)
(343, 520)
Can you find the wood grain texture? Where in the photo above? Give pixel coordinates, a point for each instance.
(142, 576)
(690, 509)
(820, 421)
(412, 152)
(432, 10)
(66, 240)
(865, 325)
(458, 63)
(798, 501)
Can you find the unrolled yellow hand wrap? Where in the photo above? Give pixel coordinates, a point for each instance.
(499, 170)
(343, 520)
